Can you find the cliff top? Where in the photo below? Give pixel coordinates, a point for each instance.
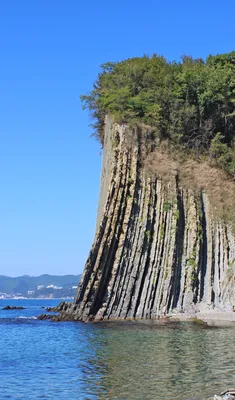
(190, 105)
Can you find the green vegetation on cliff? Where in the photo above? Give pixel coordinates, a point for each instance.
(189, 104)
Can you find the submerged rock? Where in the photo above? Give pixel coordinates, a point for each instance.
(13, 308)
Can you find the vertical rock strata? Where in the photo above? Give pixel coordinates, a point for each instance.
(157, 247)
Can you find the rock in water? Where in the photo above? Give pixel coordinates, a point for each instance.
(43, 317)
(58, 308)
(227, 395)
(13, 308)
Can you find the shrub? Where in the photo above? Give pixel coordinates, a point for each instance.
(191, 103)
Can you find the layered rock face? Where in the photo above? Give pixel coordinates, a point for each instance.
(158, 248)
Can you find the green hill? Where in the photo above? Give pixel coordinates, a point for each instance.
(39, 286)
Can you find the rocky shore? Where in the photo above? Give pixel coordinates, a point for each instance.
(70, 312)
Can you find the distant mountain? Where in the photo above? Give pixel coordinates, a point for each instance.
(39, 286)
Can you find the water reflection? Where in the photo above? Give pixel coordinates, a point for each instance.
(152, 361)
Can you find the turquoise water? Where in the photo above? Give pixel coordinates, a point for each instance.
(45, 360)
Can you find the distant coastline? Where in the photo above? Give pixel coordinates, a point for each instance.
(39, 287)
(36, 298)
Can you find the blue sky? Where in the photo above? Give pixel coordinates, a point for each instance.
(51, 51)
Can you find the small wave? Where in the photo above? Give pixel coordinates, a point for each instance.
(22, 317)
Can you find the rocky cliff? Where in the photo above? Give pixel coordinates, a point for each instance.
(158, 247)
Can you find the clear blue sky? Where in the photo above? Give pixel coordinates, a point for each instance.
(49, 167)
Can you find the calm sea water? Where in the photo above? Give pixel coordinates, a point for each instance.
(45, 360)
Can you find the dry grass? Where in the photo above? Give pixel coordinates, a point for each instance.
(197, 176)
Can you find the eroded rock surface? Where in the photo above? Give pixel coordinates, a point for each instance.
(158, 248)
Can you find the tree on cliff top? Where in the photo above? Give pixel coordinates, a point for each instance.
(190, 104)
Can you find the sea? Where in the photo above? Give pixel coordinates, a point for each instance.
(113, 360)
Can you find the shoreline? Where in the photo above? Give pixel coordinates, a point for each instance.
(211, 318)
(67, 312)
